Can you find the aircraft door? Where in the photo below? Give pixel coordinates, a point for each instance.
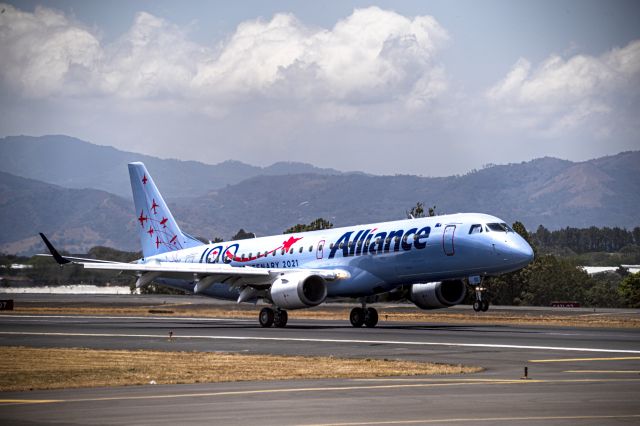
(447, 240)
(320, 250)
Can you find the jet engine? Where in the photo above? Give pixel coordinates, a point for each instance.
(435, 295)
(298, 290)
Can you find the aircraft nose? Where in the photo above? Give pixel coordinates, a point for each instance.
(522, 252)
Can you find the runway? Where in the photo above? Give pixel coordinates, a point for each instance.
(576, 376)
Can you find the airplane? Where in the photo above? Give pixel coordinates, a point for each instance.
(431, 258)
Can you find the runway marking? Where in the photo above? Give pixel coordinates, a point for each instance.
(156, 318)
(435, 383)
(481, 419)
(318, 340)
(626, 358)
(604, 371)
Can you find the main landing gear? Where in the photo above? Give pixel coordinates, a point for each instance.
(363, 316)
(480, 304)
(276, 317)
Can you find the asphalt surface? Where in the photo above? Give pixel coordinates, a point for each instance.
(576, 375)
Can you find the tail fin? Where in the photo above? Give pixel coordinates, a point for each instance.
(158, 230)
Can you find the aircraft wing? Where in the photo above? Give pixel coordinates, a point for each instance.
(255, 277)
(189, 271)
(204, 274)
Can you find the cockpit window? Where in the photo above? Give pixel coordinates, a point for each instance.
(475, 229)
(499, 227)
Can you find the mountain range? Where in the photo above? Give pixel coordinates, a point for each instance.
(73, 163)
(72, 190)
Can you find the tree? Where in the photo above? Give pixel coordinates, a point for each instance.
(604, 290)
(553, 279)
(315, 225)
(630, 290)
(243, 235)
(418, 211)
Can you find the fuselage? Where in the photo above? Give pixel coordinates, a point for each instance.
(377, 257)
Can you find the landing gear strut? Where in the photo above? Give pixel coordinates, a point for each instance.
(480, 304)
(364, 316)
(269, 317)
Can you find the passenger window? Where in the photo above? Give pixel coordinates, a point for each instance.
(331, 246)
(250, 255)
(282, 252)
(300, 251)
(475, 229)
(274, 252)
(311, 248)
(341, 245)
(291, 251)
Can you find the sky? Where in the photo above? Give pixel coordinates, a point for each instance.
(431, 88)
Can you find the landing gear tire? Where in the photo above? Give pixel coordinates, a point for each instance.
(280, 318)
(357, 317)
(370, 317)
(266, 317)
(481, 303)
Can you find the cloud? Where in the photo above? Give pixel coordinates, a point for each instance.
(370, 92)
(372, 56)
(562, 94)
(44, 53)
(153, 59)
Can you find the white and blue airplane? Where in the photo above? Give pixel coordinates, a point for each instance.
(433, 258)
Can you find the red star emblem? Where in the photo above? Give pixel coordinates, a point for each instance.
(157, 242)
(286, 245)
(144, 179)
(142, 218)
(150, 231)
(154, 206)
(163, 222)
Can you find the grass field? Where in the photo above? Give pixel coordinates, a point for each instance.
(25, 368)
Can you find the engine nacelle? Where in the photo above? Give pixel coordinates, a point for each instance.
(437, 295)
(298, 290)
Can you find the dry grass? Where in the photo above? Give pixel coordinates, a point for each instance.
(605, 320)
(24, 368)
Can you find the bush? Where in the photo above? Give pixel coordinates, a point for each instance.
(629, 290)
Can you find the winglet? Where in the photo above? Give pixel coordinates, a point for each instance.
(61, 260)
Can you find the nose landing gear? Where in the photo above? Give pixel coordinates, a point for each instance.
(480, 304)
